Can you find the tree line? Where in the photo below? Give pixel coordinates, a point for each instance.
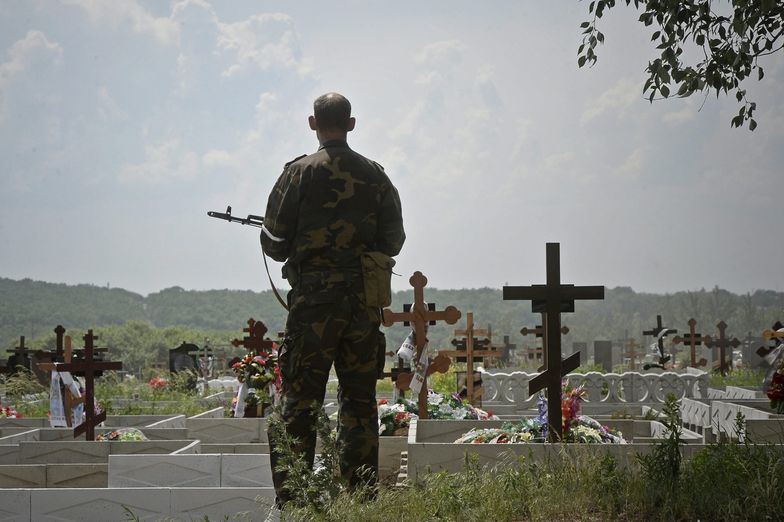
(142, 329)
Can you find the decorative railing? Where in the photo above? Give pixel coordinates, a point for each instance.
(629, 387)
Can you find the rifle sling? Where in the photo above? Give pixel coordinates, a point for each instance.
(274, 290)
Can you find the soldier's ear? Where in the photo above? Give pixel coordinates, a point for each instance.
(351, 122)
(312, 122)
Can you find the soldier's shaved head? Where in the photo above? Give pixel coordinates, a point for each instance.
(332, 112)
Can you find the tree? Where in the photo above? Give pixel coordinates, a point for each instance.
(730, 40)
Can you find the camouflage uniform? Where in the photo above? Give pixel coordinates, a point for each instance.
(324, 211)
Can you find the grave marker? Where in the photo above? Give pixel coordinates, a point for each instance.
(722, 343)
(470, 354)
(254, 341)
(659, 332)
(20, 357)
(553, 298)
(602, 355)
(420, 314)
(540, 332)
(66, 351)
(89, 367)
(693, 339)
(631, 352)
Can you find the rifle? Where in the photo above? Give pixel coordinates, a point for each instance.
(254, 221)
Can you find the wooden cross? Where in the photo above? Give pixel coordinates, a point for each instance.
(659, 332)
(20, 357)
(88, 367)
(631, 352)
(69, 401)
(722, 343)
(420, 315)
(395, 372)
(541, 333)
(693, 339)
(470, 354)
(59, 332)
(553, 298)
(506, 350)
(254, 341)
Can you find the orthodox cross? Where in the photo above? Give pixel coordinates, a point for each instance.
(254, 341)
(89, 367)
(541, 333)
(631, 352)
(396, 371)
(470, 354)
(20, 357)
(507, 349)
(64, 348)
(553, 298)
(420, 314)
(59, 332)
(693, 339)
(722, 343)
(659, 332)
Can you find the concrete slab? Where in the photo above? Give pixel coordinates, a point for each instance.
(196, 504)
(15, 505)
(98, 505)
(76, 475)
(23, 476)
(139, 471)
(238, 471)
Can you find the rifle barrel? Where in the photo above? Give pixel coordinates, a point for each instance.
(252, 220)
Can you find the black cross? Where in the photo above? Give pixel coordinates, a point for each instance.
(20, 357)
(722, 343)
(541, 333)
(254, 341)
(659, 332)
(553, 298)
(89, 367)
(693, 339)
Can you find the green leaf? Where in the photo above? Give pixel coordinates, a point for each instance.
(585, 24)
(581, 61)
(664, 90)
(655, 35)
(760, 72)
(752, 125)
(700, 39)
(736, 121)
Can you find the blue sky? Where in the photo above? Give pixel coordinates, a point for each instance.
(123, 122)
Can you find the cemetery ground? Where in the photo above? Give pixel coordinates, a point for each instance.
(729, 479)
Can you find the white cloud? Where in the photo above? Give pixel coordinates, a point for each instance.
(618, 99)
(35, 46)
(634, 164)
(164, 161)
(122, 13)
(264, 41)
(441, 53)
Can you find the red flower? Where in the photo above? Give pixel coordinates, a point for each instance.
(382, 401)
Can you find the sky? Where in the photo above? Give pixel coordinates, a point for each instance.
(122, 122)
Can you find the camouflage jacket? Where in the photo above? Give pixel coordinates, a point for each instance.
(329, 207)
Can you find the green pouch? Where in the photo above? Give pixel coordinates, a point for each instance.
(377, 276)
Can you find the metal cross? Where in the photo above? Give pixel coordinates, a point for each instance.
(659, 332)
(693, 339)
(553, 298)
(470, 354)
(722, 343)
(420, 315)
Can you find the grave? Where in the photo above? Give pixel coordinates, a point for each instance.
(582, 349)
(722, 361)
(693, 339)
(603, 355)
(659, 332)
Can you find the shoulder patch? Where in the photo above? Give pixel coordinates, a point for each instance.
(295, 159)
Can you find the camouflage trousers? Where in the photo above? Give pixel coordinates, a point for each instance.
(328, 324)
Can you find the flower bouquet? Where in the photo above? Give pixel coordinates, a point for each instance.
(394, 419)
(9, 412)
(776, 389)
(122, 435)
(257, 374)
(158, 383)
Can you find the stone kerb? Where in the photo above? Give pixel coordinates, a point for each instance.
(431, 446)
(148, 504)
(761, 423)
(221, 430)
(194, 470)
(628, 387)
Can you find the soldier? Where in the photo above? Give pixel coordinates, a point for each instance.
(335, 218)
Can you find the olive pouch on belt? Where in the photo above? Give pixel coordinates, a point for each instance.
(377, 276)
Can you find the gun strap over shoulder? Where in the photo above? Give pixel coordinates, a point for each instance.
(272, 285)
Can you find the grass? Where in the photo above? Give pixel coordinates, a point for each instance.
(744, 376)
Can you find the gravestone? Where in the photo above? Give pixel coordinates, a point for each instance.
(183, 358)
(582, 349)
(553, 299)
(603, 355)
(20, 357)
(420, 315)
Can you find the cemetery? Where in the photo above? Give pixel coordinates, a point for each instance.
(212, 458)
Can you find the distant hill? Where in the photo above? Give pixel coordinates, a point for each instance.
(34, 308)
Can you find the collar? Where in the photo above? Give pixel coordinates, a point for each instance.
(334, 143)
